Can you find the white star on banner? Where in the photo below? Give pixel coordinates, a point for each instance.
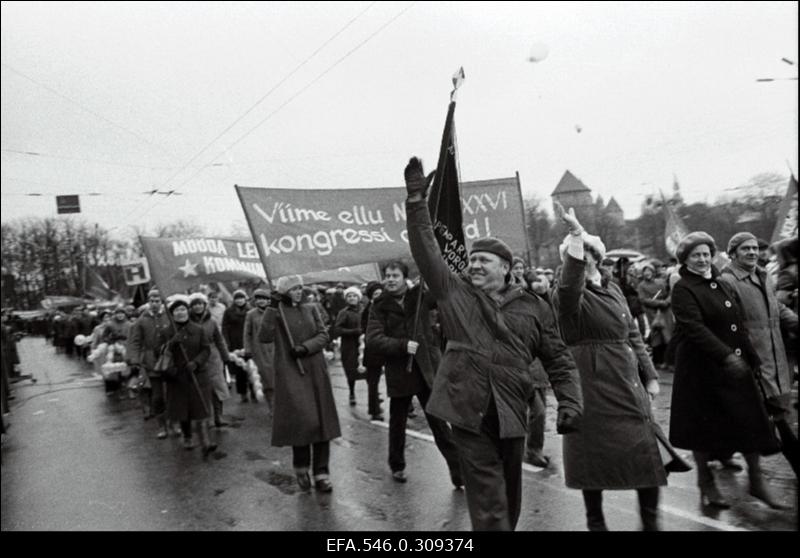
(188, 269)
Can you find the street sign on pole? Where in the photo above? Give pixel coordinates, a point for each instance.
(137, 272)
(68, 204)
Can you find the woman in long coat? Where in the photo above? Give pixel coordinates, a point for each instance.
(305, 414)
(189, 386)
(233, 320)
(716, 406)
(616, 446)
(373, 361)
(348, 328)
(215, 366)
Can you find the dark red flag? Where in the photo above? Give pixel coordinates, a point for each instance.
(444, 201)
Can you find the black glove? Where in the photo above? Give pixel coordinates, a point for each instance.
(736, 366)
(274, 300)
(191, 367)
(567, 421)
(416, 182)
(298, 351)
(530, 277)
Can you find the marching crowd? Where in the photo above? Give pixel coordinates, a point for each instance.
(479, 351)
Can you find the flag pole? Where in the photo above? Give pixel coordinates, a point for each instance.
(524, 224)
(437, 185)
(262, 257)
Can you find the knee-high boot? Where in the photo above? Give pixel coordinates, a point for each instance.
(709, 493)
(593, 500)
(648, 508)
(205, 439)
(758, 486)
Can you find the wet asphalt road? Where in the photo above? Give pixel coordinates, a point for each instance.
(75, 459)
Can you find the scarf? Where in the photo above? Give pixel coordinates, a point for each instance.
(706, 275)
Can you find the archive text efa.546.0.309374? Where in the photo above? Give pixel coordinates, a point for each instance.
(400, 544)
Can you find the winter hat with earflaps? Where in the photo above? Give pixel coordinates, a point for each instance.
(194, 297)
(177, 300)
(287, 283)
(353, 290)
(262, 293)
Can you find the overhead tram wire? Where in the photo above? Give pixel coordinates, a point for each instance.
(138, 136)
(293, 97)
(264, 97)
(85, 160)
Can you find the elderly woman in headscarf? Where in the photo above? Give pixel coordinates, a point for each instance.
(304, 415)
(616, 447)
(189, 387)
(215, 367)
(716, 406)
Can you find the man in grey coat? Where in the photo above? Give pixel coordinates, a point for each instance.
(147, 336)
(262, 353)
(494, 330)
(764, 316)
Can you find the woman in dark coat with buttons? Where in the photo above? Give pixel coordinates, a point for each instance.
(189, 389)
(616, 446)
(716, 406)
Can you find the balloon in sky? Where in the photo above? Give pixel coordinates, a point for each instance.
(538, 53)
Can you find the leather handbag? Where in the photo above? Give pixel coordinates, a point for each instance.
(164, 364)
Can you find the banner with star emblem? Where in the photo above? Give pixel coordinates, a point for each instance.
(179, 264)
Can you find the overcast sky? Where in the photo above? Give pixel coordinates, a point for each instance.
(121, 98)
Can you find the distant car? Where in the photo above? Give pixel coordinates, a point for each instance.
(632, 255)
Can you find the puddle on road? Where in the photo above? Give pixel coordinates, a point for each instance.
(253, 456)
(283, 482)
(110, 431)
(374, 512)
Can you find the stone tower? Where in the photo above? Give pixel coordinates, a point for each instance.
(571, 192)
(615, 213)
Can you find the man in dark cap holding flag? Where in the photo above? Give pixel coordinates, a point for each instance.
(494, 330)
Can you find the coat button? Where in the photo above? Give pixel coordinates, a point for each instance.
(623, 314)
(728, 304)
(713, 285)
(733, 327)
(738, 352)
